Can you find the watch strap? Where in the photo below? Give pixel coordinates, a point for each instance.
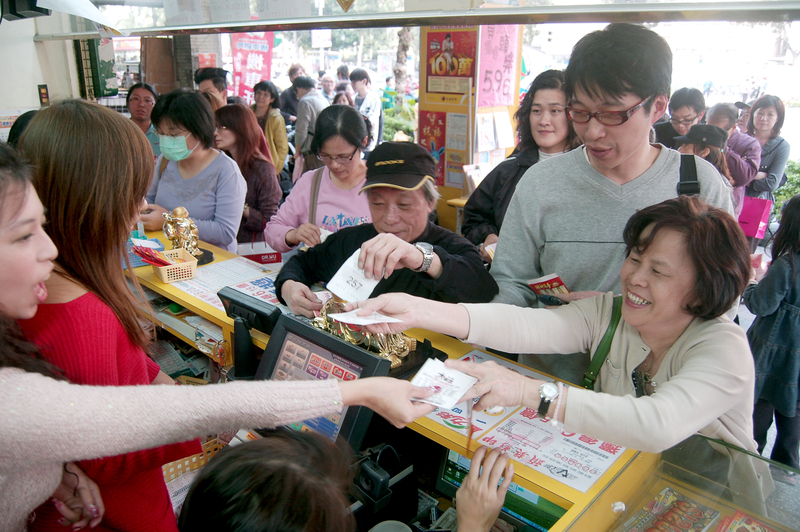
(544, 404)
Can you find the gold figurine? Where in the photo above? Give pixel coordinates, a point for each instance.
(181, 230)
(393, 347)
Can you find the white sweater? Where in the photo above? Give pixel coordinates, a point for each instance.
(46, 423)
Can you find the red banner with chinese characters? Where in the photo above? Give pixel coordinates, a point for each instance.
(252, 61)
(498, 55)
(450, 55)
(432, 134)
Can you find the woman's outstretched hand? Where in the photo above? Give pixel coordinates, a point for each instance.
(392, 399)
(496, 386)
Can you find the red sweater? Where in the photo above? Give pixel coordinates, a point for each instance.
(86, 340)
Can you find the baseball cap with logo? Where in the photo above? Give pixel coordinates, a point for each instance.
(401, 165)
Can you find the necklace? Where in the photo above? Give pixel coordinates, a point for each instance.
(642, 377)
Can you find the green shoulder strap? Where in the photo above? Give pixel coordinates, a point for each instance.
(605, 346)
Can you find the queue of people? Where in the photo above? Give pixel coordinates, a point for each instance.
(665, 269)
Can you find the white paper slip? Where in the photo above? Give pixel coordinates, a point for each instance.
(349, 282)
(323, 234)
(146, 243)
(452, 383)
(353, 319)
(490, 249)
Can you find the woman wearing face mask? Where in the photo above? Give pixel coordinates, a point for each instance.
(544, 132)
(191, 173)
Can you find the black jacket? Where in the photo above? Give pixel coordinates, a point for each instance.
(665, 134)
(464, 278)
(486, 207)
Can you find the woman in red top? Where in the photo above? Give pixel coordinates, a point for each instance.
(92, 168)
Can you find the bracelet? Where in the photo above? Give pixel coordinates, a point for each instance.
(554, 418)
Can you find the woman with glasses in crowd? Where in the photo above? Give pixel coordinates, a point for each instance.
(326, 199)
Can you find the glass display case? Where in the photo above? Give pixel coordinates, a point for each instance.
(704, 485)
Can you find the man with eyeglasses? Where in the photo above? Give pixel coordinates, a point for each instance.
(686, 108)
(568, 213)
(401, 246)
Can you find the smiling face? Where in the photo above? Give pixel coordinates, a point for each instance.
(26, 254)
(140, 104)
(620, 152)
(657, 284)
(404, 213)
(549, 124)
(263, 98)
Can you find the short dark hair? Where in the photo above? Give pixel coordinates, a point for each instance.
(219, 77)
(687, 97)
(303, 82)
(18, 127)
(188, 109)
(549, 79)
(714, 241)
(268, 86)
(343, 71)
(342, 86)
(622, 58)
(359, 74)
(145, 86)
(767, 100)
(289, 480)
(344, 121)
(723, 113)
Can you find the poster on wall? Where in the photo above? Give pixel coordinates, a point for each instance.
(183, 12)
(229, 10)
(432, 134)
(498, 65)
(252, 61)
(450, 59)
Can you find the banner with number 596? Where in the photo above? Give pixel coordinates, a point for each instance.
(498, 53)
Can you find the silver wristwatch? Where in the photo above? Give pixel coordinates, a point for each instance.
(427, 256)
(548, 392)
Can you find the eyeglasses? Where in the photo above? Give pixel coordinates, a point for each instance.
(220, 129)
(607, 118)
(340, 159)
(675, 122)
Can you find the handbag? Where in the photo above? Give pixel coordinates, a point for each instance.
(755, 216)
(605, 346)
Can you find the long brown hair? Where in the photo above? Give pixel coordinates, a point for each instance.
(92, 167)
(243, 123)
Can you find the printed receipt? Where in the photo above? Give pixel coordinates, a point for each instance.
(349, 282)
(452, 383)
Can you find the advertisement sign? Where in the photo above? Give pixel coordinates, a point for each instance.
(450, 59)
(432, 134)
(498, 65)
(252, 61)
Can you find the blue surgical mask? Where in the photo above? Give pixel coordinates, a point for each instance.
(175, 148)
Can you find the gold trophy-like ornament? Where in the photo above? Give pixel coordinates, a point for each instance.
(181, 231)
(393, 347)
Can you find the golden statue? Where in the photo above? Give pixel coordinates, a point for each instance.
(181, 230)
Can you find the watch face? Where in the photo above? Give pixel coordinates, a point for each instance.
(548, 391)
(425, 246)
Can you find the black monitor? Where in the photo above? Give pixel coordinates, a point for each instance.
(298, 351)
(522, 508)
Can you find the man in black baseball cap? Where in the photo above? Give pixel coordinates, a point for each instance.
(401, 246)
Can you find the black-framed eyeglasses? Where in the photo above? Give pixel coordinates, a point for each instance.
(676, 122)
(341, 159)
(607, 118)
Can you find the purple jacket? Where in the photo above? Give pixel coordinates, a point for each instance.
(743, 155)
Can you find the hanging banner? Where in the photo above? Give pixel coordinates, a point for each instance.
(498, 53)
(432, 134)
(450, 59)
(252, 61)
